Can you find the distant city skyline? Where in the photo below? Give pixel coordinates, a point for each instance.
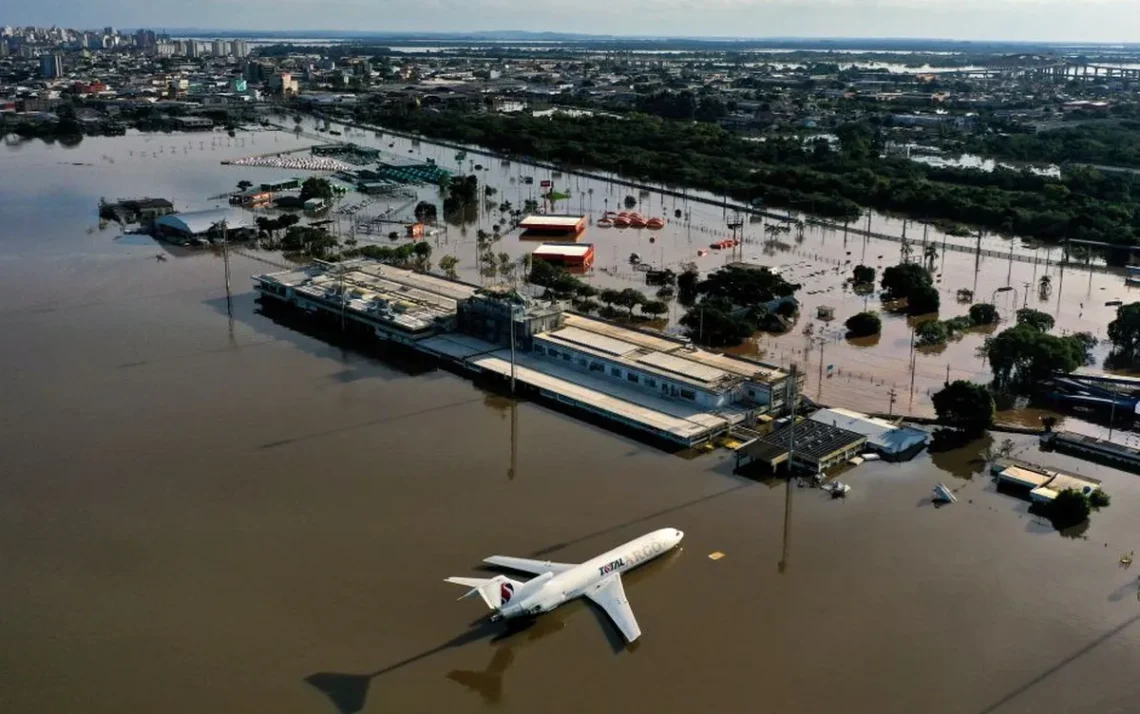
(1105, 21)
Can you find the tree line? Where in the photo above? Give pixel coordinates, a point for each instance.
(784, 172)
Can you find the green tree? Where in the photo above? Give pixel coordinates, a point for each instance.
(1098, 499)
(1070, 508)
(746, 287)
(447, 264)
(983, 314)
(610, 297)
(630, 299)
(1040, 321)
(863, 324)
(1021, 356)
(931, 332)
(654, 308)
(712, 323)
(900, 281)
(687, 287)
(630, 201)
(965, 405)
(315, 187)
(863, 274)
(244, 185)
(425, 212)
(314, 241)
(922, 300)
(1124, 332)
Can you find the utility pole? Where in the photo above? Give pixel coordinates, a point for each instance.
(512, 328)
(822, 339)
(226, 257)
(514, 439)
(893, 395)
(343, 297)
(947, 374)
(792, 424)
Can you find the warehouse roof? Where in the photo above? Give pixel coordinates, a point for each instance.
(551, 221)
(563, 250)
(198, 222)
(813, 441)
(883, 435)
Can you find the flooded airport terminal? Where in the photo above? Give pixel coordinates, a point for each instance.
(230, 501)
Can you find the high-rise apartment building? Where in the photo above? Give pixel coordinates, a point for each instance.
(51, 66)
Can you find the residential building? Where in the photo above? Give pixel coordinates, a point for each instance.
(51, 66)
(240, 49)
(283, 83)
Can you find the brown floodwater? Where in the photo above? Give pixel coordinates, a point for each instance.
(206, 508)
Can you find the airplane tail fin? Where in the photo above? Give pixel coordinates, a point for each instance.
(496, 591)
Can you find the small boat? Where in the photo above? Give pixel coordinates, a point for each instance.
(620, 222)
(623, 214)
(942, 494)
(604, 223)
(715, 246)
(655, 224)
(636, 222)
(837, 489)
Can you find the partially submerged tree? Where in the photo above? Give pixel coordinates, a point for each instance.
(900, 281)
(1070, 508)
(863, 274)
(1124, 333)
(1040, 321)
(863, 324)
(1022, 356)
(923, 299)
(447, 264)
(983, 314)
(965, 405)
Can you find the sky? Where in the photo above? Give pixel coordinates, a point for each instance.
(1029, 20)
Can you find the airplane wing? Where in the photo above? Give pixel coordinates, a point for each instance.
(538, 567)
(610, 596)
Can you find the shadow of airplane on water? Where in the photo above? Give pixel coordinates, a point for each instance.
(349, 692)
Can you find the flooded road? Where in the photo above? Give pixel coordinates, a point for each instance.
(202, 508)
(1007, 271)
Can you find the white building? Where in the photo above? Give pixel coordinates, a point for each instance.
(663, 368)
(888, 439)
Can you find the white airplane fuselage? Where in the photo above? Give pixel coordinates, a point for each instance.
(548, 591)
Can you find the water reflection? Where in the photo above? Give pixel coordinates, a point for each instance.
(963, 462)
(488, 682)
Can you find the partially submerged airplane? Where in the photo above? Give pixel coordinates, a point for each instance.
(598, 579)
